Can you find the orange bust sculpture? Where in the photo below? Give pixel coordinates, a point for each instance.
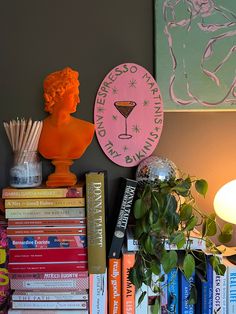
(63, 137)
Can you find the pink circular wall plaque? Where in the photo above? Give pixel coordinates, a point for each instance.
(128, 114)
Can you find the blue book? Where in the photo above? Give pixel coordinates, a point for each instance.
(205, 292)
(185, 286)
(173, 291)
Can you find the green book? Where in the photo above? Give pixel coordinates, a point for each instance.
(96, 233)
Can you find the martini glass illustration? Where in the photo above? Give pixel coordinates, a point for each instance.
(125, 108)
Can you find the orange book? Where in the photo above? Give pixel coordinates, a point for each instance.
(128, 289)
(114, 285)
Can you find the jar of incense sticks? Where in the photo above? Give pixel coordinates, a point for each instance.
(26, 170)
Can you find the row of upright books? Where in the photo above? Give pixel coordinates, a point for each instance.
(47, 246)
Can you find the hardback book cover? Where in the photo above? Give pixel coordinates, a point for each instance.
(46, 241)
(96, 232)
(46, 222)
(60, 212)
(45, 202)
(128, 289)
(34, 267)
(114, 285)
(128, 187)
(98, 293)
(44, 192)
(48, 255)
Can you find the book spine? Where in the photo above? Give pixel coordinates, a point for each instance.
(74, 191)
(224, 294)
(98, 293)
(231, 289)
(114, 285)
(12, 311)
(51, 276)
(44, 202)
(218, 293)
(185, 285)
(47, 267)
(52, 241)
(207, 291)
(40, 296)
(95, 200)
(141, 308)
(4, 272)
(77, 212)
(128, 289)
(46, 222)
(129, 188)
(45, 230)
(133, 244)
(47, 255)
(51, 285)
(80, 305)
(173, 291)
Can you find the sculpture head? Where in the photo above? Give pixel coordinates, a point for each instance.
(61, 87)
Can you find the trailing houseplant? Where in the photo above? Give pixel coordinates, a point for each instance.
(166, 212)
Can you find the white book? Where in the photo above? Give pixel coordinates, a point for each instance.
(49, 296)
(231, 286)
(98, 293)
(142, 308)
(219, 295)
(51, 305)
(195, 242)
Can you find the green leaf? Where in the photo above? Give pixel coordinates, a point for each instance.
(179, 239)
(192, 295)
(188, 265)
(201, 187)
(135, 278)
(191, 223)
(169, 260)
(148, 245)
(185, 212)
(211, 228)
(226, 234)
(142, 296)
(217, 266)
(140, 208)
(155, 267)
(156, 307)
(183, 186)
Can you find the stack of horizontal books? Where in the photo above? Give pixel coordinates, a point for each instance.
(48, 264)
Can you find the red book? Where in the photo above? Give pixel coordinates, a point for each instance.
(47, 267)
(48, 255)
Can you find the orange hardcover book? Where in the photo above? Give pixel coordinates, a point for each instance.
(45, 202)
(114, 285)
(44, 192)
(128, 289)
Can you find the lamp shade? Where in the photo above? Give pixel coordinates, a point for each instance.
(225, 202)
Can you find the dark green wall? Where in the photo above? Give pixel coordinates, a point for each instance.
(39, 37)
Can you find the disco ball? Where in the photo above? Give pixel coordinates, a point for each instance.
(155, 169)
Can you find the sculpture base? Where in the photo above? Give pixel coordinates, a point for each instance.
(62, 175)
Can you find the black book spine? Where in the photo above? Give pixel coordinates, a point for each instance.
(123, 217)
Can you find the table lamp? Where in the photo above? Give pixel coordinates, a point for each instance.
(225, 202)
(225, 206)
